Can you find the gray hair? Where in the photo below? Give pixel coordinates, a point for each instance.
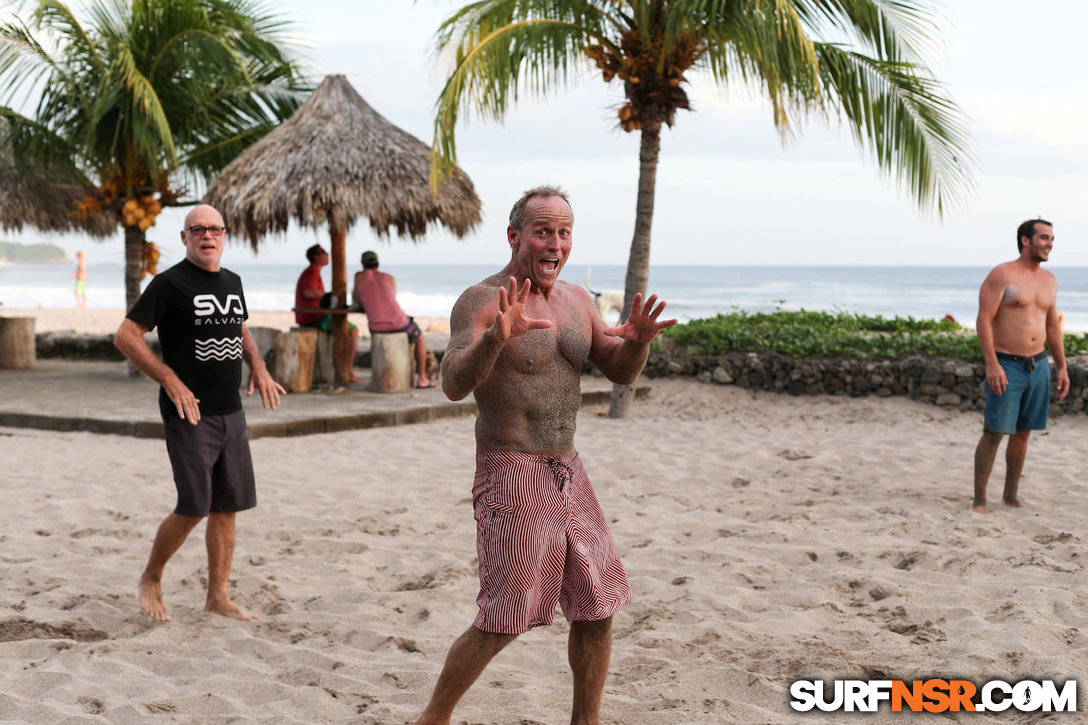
(517, 212)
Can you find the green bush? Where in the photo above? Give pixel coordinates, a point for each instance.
(834, 334)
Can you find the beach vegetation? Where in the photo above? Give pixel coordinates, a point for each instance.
(817, 334)
(40, 253)
(861, 62)
(144, 99)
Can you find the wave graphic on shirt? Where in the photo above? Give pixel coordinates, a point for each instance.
(224, 348)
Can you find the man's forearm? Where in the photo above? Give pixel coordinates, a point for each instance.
(133, 347)
(626, 361)
(985, 332)
(465, 369)
(250, 352)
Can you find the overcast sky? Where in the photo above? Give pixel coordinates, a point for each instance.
(728, 190)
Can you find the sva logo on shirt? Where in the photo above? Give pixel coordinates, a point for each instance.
(204, 305)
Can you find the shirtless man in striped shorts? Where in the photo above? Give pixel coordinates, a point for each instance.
(518, 342)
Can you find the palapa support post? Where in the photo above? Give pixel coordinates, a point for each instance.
(17, 343)
(340, 338)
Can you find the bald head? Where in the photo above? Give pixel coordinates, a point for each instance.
(200, 213)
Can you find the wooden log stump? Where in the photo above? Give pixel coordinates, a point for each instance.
(390, 362)
(293, 362)
(265, 338)
(17, 343)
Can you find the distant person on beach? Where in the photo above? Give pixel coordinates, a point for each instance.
(80, 276)
(1017, 313)
(310, 292)
(376, 293)
(200, 311)
(518, 341)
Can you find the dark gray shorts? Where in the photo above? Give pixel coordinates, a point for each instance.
(213, 470)
(411, 328)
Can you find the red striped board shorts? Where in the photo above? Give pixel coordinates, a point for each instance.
(541, 539)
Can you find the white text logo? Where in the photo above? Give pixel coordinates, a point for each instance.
(204, 305)
(934, 695)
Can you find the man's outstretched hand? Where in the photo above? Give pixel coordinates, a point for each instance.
(642, 325)
(511, 320)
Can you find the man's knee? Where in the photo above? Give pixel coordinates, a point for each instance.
(188, 523)
(593, 628)
(491, 636)
(489, 643)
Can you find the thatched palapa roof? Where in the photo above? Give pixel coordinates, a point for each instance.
(32, 197)
(336, 160)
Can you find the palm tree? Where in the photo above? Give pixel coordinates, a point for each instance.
(856, 60)
(147, 99)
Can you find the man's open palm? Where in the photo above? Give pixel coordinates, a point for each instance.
(642, 325)
(511, 320)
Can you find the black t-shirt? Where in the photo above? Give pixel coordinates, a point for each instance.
(199, 315)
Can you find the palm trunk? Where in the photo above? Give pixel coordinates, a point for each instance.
(638, 263)
(134, 262)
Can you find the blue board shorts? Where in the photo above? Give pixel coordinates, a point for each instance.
(1026, 400)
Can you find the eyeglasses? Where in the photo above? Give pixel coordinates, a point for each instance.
(198, 230)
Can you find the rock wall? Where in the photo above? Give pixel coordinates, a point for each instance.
(947, 382)
(79, 346)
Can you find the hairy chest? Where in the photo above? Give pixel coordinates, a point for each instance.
(565, 344)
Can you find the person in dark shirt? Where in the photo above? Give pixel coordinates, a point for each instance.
(200, 311)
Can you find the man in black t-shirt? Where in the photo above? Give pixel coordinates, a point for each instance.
(200, 311)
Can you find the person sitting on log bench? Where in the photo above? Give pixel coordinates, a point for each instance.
(376, 294)
(310, 292)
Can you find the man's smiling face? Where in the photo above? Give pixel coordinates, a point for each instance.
(542, 245)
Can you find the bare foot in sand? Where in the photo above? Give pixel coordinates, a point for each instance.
(1014, 504)
(227, 608)
(151, 599)
(983, 509)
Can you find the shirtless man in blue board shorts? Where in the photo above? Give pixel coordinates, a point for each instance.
(200, 311)
(518, 341)
(1017, 313)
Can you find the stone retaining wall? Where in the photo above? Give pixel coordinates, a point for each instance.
(80, 346)
(951, 383)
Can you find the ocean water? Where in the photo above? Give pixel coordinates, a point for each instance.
(691, 291)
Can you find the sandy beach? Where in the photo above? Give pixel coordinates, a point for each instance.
(768, 538)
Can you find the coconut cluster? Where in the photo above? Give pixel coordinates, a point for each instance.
(141, 211)
(149, 260)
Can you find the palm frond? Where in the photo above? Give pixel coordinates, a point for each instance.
(501, 47)
(900, 29)
(910, 125)
(24, 63)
